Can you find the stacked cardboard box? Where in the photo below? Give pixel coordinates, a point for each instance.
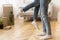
(7, 9)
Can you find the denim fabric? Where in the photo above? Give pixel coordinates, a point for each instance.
(35, 4)
(36, 10)
(44, 16)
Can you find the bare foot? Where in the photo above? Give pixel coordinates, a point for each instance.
(35, 25)
(46, 37)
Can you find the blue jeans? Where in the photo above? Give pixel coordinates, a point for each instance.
(43, 4)
(36, 10)
(35, 4)
(44, 16)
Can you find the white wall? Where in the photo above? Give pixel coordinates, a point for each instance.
(16, 4)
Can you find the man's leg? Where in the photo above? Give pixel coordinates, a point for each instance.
(44, 17)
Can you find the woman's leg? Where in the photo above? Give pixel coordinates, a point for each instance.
(33, 4)
(36, 10)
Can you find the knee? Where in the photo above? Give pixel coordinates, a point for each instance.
(44, 17)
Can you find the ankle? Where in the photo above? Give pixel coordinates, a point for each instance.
(48, 35)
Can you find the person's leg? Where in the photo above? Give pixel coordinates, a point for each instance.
(33, 4)
(36, 10)
(44, 17)
(44, 28)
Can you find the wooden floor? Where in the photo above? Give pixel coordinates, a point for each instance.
(26, 31)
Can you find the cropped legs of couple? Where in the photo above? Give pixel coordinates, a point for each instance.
(43, 5)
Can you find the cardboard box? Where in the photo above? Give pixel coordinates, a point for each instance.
(7, 8)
